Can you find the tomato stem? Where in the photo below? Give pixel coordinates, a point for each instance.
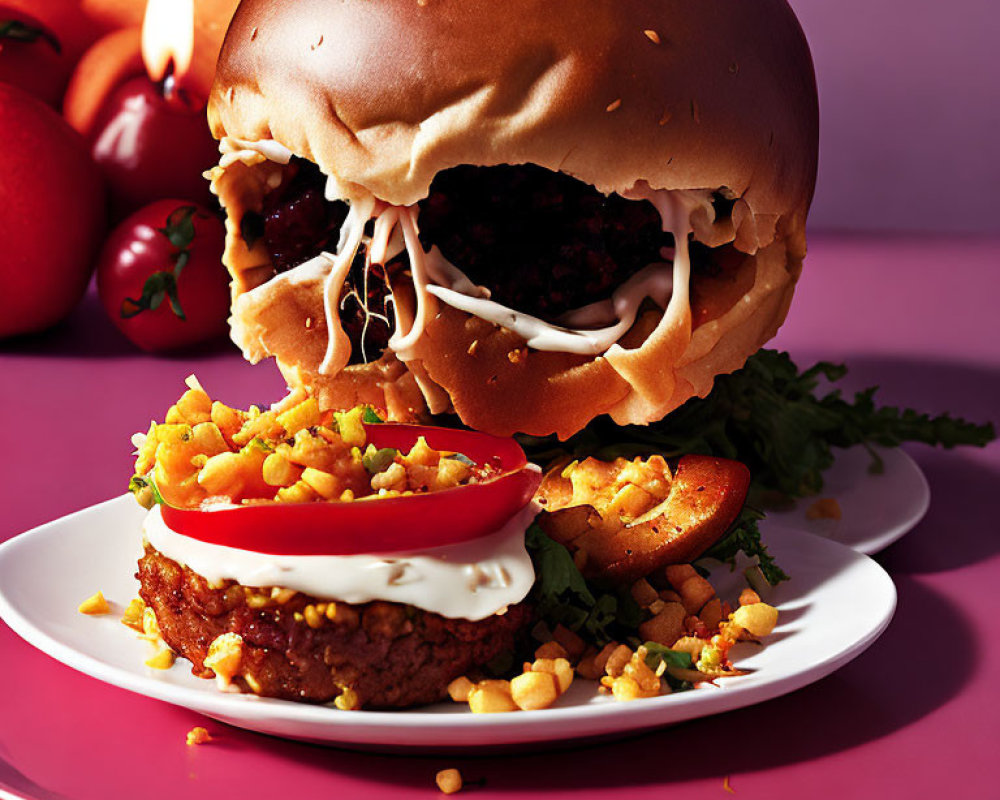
(19, 31)
(179, 231)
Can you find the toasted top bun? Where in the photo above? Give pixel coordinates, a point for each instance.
(620, 94)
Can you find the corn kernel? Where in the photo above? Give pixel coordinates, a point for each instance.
(557, 667)
(350, 426)
(534, 690)
(173, 434)
(347, 700)
(451, 472)
(313, 617)
(625, 689)
(449, 781)
(95, 604)
(224, 656)
(304, 415)
(324, 484)
(132, 617)
(197, 735)
(164, 659)
(616, 662)
(298, 492)
(282, 596)
(757, 619)
(491, 697)
(458, 689)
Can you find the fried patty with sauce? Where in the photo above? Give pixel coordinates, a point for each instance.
(391, 655)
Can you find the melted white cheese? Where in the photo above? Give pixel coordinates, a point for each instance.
(472, 580)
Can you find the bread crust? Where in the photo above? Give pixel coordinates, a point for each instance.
(616, 93)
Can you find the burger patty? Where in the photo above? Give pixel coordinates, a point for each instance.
(542, 242)
(390, 655)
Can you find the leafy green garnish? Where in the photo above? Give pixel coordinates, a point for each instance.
(376, 461)
(745, 535)
(145, 491)
(162, 284)
(562, 595)
(257, 444)
(370, 417)
(657, 653)
(768, 415)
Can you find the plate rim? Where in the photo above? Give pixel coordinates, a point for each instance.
(873, 544)
(507, 729)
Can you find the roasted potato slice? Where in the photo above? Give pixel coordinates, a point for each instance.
(705, 496)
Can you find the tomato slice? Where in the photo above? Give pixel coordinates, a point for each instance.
(374, 525)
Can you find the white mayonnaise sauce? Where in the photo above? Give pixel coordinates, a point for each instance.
(338, 349)
(654, 281)
(591, 330)
(472, 580)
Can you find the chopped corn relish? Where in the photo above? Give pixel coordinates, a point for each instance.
(206, 451)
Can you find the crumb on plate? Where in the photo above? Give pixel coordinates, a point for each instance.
(449, 781)
(94, 605)
(198, 735)
(824, 508)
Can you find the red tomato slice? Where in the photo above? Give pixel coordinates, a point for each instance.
(372, 525)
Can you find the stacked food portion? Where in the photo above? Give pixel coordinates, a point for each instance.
(510, 218)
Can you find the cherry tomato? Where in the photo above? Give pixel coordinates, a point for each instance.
(51, 214)
(152, 144)
(160, 276)
(374, 525)
(32, 57)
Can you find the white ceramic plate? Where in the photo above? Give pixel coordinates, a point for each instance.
(835, 606)
(877, 509)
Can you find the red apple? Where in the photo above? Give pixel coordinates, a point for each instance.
(51, 214)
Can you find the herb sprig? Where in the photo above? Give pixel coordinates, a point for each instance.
(770, 416)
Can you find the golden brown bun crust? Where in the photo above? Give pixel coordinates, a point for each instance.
(384, 94)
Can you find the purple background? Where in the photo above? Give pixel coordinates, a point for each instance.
(909, 114)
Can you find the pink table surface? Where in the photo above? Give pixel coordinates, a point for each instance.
(915, 716)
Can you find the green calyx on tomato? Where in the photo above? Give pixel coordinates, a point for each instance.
(379, 524)
(179, 230)
(18, 31)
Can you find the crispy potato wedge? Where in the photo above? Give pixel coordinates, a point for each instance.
(706, 494)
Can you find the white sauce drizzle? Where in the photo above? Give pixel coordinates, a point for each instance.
(654, 281)
(472, 580)
(337, 348)
(401, 343)
(434, 277)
